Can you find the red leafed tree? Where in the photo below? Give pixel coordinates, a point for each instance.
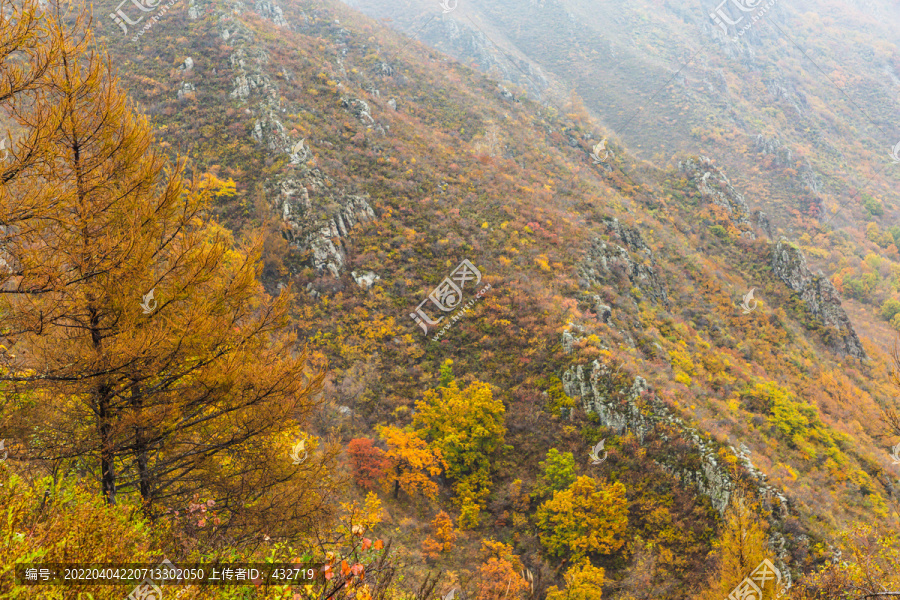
(367, 462)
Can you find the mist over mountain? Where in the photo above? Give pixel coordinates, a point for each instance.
(528, 300)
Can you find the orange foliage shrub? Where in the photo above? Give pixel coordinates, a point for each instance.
(442, 537)
(367, 462)
(410, 463)
(500, 575)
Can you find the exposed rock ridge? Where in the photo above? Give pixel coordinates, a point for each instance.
(605, 263)
(317, 215)
(819, 295)
(782, 155)
(467, 45)
(304, 226)
(643, 412)
(717, 189)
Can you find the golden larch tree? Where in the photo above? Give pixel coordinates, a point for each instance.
(141, 340)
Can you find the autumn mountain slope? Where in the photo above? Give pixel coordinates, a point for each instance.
(800, 108)
(614, 313)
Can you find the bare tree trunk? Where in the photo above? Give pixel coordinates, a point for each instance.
(140, 451)
(107, 455)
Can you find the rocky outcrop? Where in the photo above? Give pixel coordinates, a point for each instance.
(306, 228)
(606, 263)
(819, 295)
(269, 131)
(781, 89)
(763, 223)
(781, 155)
(627, 405)
(715, 188)
(185, 90)
(765, 490)
(364, 279)
(468, 46)
(636, 409)
(268, 9)
(317, 215)
(360, 109)
(251, 83)
(601, 310)
(300, 153)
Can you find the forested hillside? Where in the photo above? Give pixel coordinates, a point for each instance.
(283, 285)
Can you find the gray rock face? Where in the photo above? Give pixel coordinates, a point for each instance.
(606, 263)
(247, 64)
(603, 311)
(468, 45)
(635, 408)
(717, 189)
(780, 89)
(252, 83)
(591, 383)
(269, 9)
(186, 88)
(762, 221)
(782, 156)
(300, 153)
(317, 215)
(308, 229)
(358, 108)
(819, 295)
(269, 131)
(364, 279)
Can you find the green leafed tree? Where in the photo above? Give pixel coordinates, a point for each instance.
(557, 472)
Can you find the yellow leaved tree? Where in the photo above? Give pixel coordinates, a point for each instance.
(467, 427)
(410, 463)
(142, 347)
(583, 582)
(589, 517)
(741, 547)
